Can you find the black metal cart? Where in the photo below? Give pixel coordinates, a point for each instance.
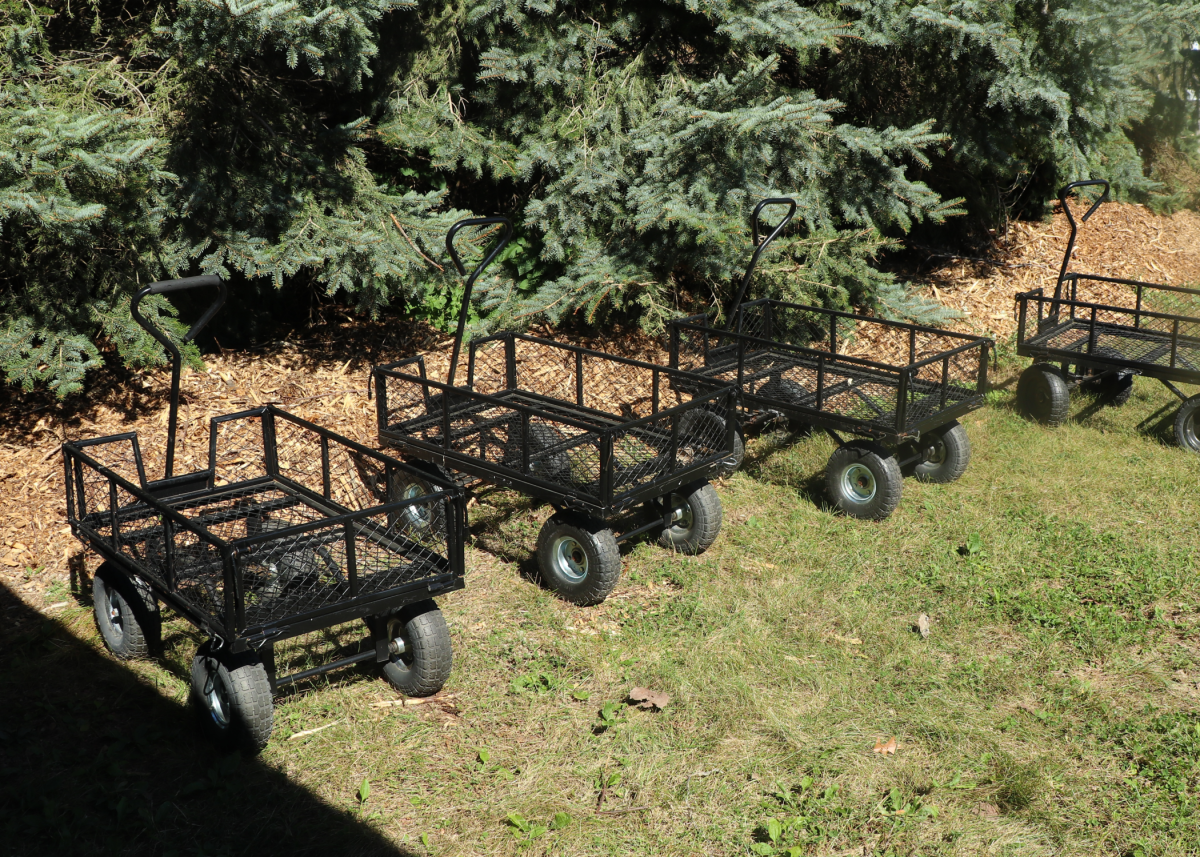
(290, 528)
(786, 363)
(1079, 338)
(619, 447)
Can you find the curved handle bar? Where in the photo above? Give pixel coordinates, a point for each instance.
(165, 287)
(1062, 198)
(1065, 192)
(759, 248)
(505, 237)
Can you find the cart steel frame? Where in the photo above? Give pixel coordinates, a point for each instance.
(1101, 346)
(619, 447)
(290, 528)
(784, 358)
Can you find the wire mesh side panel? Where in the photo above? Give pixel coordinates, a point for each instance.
(300, 572)
(936, 385)
(668, 443)
(118, 454)
(239, 449)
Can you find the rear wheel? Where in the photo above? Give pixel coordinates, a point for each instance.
(1042, 394)
(420, 518)
(695, 520)
(579, 558)
(232, 696)
(421, 654)
(1113, 389)
(1187, 424)
(945, 454)
(864, 480)
(126, 613)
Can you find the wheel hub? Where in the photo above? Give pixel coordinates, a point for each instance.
(399, 646)
(215, 699)
(681, 515)
(935, 453)
(569, 558)
(114, 614)
(418, 515)
(858, 483)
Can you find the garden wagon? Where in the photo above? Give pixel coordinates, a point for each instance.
(290, 529)
(785, 360)
(615, 445)
(1101, 331)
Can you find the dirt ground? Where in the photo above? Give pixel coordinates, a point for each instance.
(322, 375)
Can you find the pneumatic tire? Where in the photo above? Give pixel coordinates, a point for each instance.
(864, 480)
(126, 613)
(1187, 424)
(946, 452)
(696, 519)
(427, 657)
(1042, 394)
(578, 558)
(232, 697)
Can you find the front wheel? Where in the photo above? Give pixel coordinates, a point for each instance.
(695, 520)
(864, 480)
(579, 558)
(1187, 424)
(421, 654)
(126, 613)
(945, 454)
(1042, 394)
(232, 696)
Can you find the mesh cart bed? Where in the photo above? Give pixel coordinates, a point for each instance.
(621, 448)
(290, 528)
(1099, 332)
(788, 361)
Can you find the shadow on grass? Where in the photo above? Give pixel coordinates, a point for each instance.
(756, 464)
(93, 760)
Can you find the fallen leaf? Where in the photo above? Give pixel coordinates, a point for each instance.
(923, 625)
(649, 699)
(986, 810)
(885, 749)
(854, 641)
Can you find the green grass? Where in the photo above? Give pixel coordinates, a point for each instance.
(1052, 709)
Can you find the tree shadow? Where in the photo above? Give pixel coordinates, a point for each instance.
(93, 760)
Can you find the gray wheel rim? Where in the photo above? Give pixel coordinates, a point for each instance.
(858, 483)
(417, 515)
(935, 453)
(115, 602)
(569, 559)
(682, 519)
(216, 700)
(404, 660)
(1189, 431)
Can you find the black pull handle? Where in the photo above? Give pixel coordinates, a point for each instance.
(1062, 198)
(1066, 191)
(760, 247)
(505, 237)
(165, 287)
